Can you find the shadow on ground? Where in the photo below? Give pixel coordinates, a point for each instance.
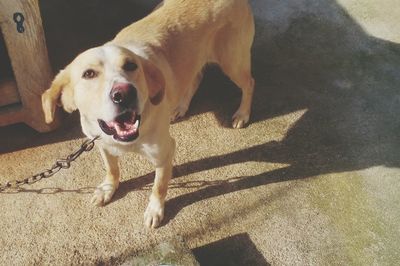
(234, 250)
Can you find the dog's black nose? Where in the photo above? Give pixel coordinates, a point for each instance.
(123, 94)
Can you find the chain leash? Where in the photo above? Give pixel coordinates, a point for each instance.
(65, 163)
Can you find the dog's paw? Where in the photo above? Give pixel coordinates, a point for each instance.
(154, 214)
(103, 193)
(178, 113)
(239, 120)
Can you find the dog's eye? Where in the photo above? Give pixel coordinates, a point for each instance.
(89, 74)
(129, 66)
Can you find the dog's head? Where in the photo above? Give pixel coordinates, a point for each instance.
(110, 86)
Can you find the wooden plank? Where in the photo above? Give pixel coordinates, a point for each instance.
(8, 93)
(28, 54)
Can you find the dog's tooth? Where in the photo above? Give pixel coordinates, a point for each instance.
(136, 125)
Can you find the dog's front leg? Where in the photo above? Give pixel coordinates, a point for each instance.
(104, 192)
(155, 209)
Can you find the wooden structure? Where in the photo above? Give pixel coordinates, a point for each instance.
(20, 96)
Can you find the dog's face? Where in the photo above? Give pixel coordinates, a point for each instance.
(111, 86)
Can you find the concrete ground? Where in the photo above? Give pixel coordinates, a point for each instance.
(313, 180)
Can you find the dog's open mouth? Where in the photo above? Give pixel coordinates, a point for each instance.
(124, 128)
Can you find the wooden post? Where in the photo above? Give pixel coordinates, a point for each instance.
(21, 25)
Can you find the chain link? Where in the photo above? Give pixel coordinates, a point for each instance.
(64, 163)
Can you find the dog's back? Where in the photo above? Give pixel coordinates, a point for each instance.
(186, 29)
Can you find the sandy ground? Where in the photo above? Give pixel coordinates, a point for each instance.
(313, 180)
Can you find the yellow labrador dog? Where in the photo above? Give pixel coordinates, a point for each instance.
(128, 90)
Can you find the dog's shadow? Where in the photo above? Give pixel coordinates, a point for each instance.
(345, 80)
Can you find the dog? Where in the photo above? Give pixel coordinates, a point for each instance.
(128, 90)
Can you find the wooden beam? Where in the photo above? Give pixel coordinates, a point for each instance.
(23, 34)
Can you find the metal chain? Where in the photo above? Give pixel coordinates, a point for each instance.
(58, 165)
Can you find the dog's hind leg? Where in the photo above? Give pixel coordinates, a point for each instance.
(183, 105)
(234, 57)
(241, 76)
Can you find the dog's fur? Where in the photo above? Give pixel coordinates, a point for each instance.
(170, 48)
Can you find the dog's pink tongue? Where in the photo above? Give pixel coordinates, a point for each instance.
(123, 129)
(124, 124)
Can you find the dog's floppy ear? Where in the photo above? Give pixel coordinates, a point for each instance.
(60, 93)
(155, 82)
